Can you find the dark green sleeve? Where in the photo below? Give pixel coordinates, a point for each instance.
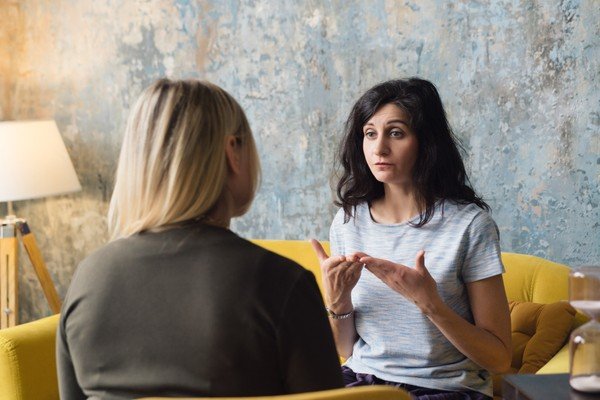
(309, 359)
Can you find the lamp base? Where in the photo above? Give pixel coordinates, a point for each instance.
(9, 283)
(9, 273)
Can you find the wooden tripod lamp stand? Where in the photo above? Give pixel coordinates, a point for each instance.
(34, 163)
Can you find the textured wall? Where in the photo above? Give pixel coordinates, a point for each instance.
(519, 79)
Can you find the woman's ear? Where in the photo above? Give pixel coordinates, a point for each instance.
(232, 153)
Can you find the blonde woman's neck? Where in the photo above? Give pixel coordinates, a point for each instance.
(221, 214)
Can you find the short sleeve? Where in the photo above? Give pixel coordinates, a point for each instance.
(482, 256)
(335, 238)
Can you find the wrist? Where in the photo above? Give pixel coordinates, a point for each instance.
(334, 315)
(432, 307)
(340, 306)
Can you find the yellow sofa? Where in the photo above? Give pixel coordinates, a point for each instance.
(27, 359)
(375, 392)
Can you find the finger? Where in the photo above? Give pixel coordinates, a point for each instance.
(357, 256)
(353, 257)
(355, 267)
(334, 262)
(319, 250)
(420, 263)
(341, 263)
(380, 273)
(376, 263)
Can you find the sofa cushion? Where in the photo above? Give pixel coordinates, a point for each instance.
(539, 331)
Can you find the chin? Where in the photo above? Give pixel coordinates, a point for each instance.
(384, 178)
(388, 180)
(243, 209)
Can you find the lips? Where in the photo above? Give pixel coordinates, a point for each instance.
(383, 166)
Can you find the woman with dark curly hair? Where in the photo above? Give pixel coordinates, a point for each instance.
(413, 288)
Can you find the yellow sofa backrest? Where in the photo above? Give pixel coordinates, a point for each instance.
(27, 359)
(534, 279)
(527, 278)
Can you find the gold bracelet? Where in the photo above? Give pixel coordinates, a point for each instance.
(333, 315)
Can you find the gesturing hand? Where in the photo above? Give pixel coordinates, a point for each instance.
(416, 284)
(340, 275)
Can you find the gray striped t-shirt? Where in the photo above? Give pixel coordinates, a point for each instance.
(396, 341)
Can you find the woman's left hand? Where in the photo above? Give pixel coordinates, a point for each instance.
(486, 341)
(415, 284)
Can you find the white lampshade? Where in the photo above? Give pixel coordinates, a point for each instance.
(34, 161)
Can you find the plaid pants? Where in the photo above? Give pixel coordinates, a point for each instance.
(352, 378)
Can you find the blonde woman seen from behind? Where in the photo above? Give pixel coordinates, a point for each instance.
(177, 304)
(164, 179)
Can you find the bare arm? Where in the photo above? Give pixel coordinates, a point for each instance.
(344, 334)
(339, 278)
(487, 342)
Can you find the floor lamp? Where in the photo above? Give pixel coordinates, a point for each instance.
(34, 163)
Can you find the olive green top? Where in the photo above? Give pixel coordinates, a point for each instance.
(192, 311)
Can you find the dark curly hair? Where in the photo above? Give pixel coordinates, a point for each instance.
(439, 172)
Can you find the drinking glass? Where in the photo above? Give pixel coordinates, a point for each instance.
(584, 345)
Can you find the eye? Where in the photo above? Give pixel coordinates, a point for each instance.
(397, 134)
(370, 134)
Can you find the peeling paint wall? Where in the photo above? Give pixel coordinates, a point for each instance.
(519, 80)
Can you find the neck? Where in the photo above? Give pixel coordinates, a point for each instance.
(220, 214)
(397, 205)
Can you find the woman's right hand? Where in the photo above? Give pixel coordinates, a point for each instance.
(340, 275)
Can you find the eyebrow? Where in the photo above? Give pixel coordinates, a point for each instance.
(396, 121)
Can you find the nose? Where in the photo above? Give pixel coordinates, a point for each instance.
(381, 147)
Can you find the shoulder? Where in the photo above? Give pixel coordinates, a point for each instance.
(268, 267)
(277, 278)
(480, 220)
(338, 219)
(107, 254)
(360, 215)
(468, 220)
(467, 214)
(205, 241)
(219, 255)
(269, 259)
(97, 268)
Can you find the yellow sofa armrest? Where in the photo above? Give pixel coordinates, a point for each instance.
(375, 392)
(28, 361)
(559, 364)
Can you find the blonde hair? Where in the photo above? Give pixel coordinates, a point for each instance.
(172, 167)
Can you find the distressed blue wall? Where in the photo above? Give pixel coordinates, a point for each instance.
(519, 80)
